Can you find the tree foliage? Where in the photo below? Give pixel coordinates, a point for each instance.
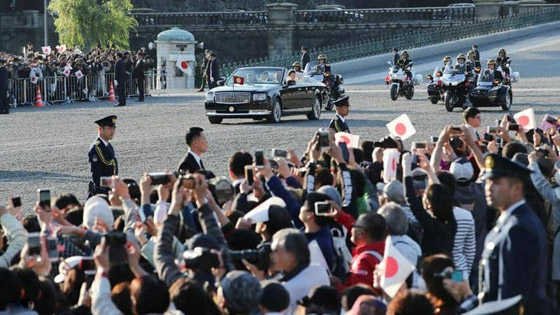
(90, 23)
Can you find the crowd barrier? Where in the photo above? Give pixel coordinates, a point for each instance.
(59, 89)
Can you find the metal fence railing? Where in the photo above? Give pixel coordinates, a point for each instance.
(58, 89)
(407, 40)
(201, 18)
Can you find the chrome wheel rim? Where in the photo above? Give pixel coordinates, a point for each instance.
(277, 111)
(317, 107)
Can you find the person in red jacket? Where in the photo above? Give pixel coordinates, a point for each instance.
(368, 234)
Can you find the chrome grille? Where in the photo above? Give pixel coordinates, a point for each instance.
(233, 97)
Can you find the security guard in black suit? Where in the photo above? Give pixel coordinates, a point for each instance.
(101, 156)
(338, 123)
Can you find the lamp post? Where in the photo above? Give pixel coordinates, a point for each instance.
(45, 21)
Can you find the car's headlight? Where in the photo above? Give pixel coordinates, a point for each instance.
(259, 97)
(210, 96)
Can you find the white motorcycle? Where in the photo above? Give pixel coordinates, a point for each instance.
(399, 82)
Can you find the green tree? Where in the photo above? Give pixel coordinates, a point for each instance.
(88, 23)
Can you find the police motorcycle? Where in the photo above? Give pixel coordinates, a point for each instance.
(435, 90)
(491, 92)
(333, 82)
(455, 86)
(400, 84)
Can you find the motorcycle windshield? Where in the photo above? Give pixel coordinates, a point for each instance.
(486, 77)
(310, 68)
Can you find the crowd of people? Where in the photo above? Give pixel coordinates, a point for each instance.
(59, 72)
(474, 210)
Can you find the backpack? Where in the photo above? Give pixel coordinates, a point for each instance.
(342, 253)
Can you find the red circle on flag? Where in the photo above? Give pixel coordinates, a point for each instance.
(391, 267)
(345, 139)
(184, 65)
(523, 120)
(400, 129)
(394, 164)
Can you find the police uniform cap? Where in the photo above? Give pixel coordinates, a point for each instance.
(110, 121)
(496, 166)
(342, 102)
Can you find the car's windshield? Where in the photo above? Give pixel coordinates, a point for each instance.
(257, 76)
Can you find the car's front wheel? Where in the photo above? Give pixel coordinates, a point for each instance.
(275, 113)
(316, 109)
(215, 120)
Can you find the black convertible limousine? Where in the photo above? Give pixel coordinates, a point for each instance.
(264, 93)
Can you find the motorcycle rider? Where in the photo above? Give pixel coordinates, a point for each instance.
(446, 62)
(503, 61)
(462, 65)
(491, 66)
(404, 63)
(471, 59)
(322, 64)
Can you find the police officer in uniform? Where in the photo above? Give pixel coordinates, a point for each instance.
(338, 123)
(101, 156)
(514, 258)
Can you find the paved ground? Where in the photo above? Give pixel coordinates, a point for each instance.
(47, 147)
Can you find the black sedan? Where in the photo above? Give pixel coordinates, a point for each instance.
(264, 93)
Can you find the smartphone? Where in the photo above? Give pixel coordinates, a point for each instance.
(418, 145)
(499, 142)
(259, 158)
(435, 139)
(491, 129)
(159, 178)
(344, 149)
(52, 248)
(541, 152)
(115, 238)
(513, 127)
(87, 265)
(488, 137)
(280, 153)
(34, 243)
(322, 208)
(456, 130)
(16, 201)
(323, 135)
(249, 174)
(45, 199)
(551, 120)
(106, 181)
(457, 276)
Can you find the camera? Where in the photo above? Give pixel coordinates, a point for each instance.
(280, 153)
(419, 145)
(259, 158)
(201, 258)
(45, 199)
(488, 137)
(16, 202)
(456, 130)
(513, 127)
(249, 174)
(159, 178)
(386, 143)
(491, 129)
(221, 190)
(34, 243)
(323, 138)
(551, 120)
(106, 181)
(115, 238)
(322, 208)
(259, 257)
(435, 139)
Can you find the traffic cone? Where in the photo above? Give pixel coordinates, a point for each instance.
(112, 93)
(39, 99)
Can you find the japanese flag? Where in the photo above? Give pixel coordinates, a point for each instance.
(61, 48)
(66, 71)
(526, 119)
(34, 79)
(68, 66)
(396, 268)
(46, 50)
(183, 64)
(238, 80)
(401, 127)
(390, 164)
(352, 141)
(79, 74)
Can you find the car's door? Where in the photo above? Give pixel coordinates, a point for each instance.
(304, 95)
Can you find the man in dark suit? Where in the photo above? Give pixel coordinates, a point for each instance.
(514, 259)
(204, 67)
(338, 123)
(120, 77)
(237, 163)
(101, 156)
(476, 55)
(305, 59)
(198, 145)
(213, 71)
(140, 76)
(396, 55)
(4, 74)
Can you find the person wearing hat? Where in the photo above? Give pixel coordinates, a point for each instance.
(462, 65)
(305, 59)
(491, 70)
(120, 77)
(514, 259)
(101, 155)
(296, 66)
(4, 74)
(338, 123)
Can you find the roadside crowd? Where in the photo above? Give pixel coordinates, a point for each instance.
(60, 71)
(306, 234)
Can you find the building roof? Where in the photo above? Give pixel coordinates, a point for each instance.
(175, 34)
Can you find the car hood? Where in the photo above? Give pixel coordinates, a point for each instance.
(242, 89)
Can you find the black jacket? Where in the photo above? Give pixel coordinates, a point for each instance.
(4, 75)
(103, 162)
(305, 59)
(120, 72)
(338, 125)
(139, 70)
(189, 164)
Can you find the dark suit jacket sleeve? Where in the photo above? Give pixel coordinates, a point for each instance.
(215, 69)
(188, 164)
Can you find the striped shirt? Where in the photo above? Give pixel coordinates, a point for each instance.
(464, 247)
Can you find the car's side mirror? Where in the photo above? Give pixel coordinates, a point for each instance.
(221, 82)
(290, 82)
